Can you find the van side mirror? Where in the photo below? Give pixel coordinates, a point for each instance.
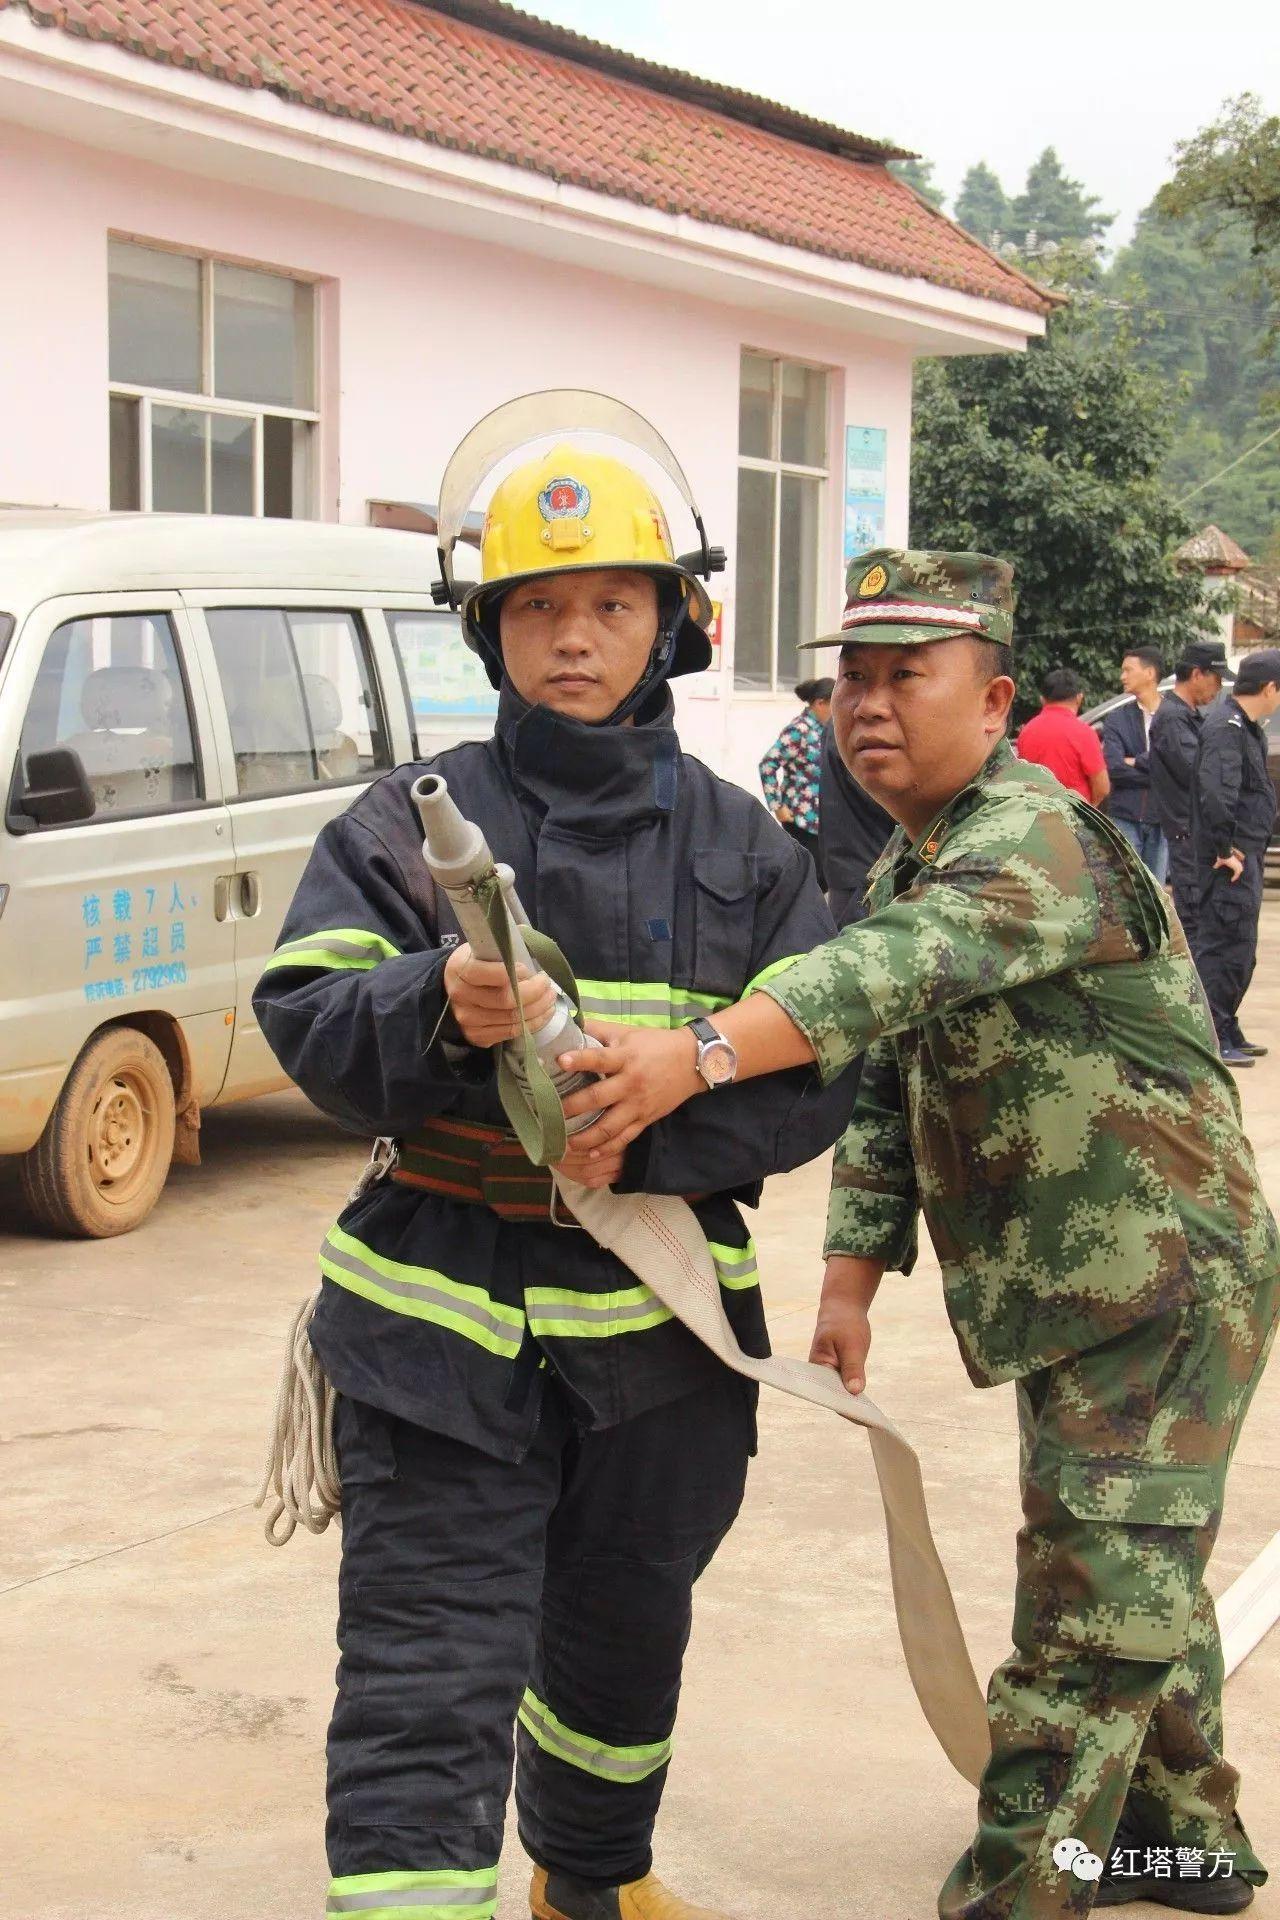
(57, 789)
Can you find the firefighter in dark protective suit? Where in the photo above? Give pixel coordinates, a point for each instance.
(1233, 809)
(537, 1460)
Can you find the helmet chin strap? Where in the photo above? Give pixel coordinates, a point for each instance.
(671, 618)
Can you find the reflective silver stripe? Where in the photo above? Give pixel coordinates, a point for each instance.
(419, 1290)
(660, 1009)
(320, 943)
(591, 1756)
(412, 1897)
(594, 1316)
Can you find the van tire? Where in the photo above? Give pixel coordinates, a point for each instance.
(101, 1163)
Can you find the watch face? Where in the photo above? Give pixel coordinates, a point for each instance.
(718, 1063)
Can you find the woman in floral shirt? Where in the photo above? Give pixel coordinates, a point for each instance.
(792, 768)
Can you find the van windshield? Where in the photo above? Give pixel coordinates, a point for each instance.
(6, 633)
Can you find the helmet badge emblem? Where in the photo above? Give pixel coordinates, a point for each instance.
(564, 499)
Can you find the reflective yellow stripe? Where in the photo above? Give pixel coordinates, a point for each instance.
(645, 1003)
(736, 1267)
(333, 949)
(621, 1765)
(770, 972)
(656, 1003)
(443, 1893)
(422, 1294)
(562, 1313)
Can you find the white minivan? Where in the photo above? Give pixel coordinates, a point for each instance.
(184, 702)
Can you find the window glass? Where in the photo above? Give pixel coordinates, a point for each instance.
(755, 407)
(446, 681)
(286, 468)
(154, 317)
(230, 463)
(126, 479)
(798, 549)
(179, 452)
(262, 337)
(300, 698)
(110, 689)
(753, 595)
(804, 416)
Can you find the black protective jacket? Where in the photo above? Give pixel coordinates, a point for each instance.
(853, 831)
(1233, 799)
(670, 892)
(1175, 742)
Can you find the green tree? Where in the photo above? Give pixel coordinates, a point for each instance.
(982, 207)
(1197, 315)
(1053, 460)
(1230, 171)
(1055, 207)
(919, 174)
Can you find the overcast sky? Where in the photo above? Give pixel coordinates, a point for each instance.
(975, 79)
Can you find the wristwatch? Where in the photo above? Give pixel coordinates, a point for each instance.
(717, 1060)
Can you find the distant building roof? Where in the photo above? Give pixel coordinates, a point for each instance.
(1213, 551)
(482, 77)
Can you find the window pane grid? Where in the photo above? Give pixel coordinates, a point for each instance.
(782, 475)
(249, 449)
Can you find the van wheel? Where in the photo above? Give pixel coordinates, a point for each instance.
(100, 1164)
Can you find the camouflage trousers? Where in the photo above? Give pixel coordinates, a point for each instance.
(1114, 1691)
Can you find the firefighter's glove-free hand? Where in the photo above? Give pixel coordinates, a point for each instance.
(481, 1000)
(645, 1076)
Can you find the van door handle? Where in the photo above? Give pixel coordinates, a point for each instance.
(222, 896)
(250, 894)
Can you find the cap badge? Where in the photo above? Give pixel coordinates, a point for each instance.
(564, 499)
(875, 580)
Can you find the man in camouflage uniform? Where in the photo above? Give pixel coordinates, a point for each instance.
(1042, 1082)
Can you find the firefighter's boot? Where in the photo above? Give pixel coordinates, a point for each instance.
(554, 1896)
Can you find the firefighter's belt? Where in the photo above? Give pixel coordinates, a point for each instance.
(658, 1237)
(482, 1165)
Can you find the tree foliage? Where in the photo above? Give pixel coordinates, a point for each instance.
(919, 174)
(1056, 208)
(1230, 172)
(982, 207)
(1199, 318)
(1052, 459)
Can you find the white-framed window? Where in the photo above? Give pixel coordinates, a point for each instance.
(212, 386)
(783, 466)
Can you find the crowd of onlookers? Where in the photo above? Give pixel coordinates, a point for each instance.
(1181, 771)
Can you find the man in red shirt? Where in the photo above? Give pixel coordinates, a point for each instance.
(1059, 739)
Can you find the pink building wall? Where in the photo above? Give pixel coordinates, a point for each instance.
(421, 333)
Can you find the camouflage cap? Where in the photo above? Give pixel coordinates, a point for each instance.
(898, 598)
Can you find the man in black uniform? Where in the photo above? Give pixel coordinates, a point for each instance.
(537, 1460)
(853, 831)
(1233, 809)
(1175, 740)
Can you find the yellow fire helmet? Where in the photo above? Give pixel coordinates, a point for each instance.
(573, 509)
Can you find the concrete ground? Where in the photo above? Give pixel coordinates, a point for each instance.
(166, 1676)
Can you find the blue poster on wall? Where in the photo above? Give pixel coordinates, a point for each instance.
(864, 489)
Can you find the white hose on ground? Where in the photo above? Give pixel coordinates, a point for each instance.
(301, 1482)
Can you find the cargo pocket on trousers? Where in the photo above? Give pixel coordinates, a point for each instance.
(724, 891)
(1126, 1566)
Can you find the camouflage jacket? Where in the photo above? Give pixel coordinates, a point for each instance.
(1041, 1080)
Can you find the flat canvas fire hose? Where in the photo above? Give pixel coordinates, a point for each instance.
(658, 1237)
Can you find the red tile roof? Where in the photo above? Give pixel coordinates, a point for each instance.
(479, 77)
(1214, 551)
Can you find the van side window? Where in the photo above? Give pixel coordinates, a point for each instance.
(444, 680)
(300, 696)
(110, 688)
